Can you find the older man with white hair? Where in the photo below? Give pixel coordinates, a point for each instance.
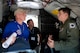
(18, 26)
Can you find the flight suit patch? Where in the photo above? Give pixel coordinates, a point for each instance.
(72, 25)
(61, 29)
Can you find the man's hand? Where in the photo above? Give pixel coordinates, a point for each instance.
(13, 40)
(38, 39)
(50, 43)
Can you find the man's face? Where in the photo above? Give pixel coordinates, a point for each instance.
(62, 16)
(21, 16)
(31, 24)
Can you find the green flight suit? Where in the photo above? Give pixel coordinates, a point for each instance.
(68, 38)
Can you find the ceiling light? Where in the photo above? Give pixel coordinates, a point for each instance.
(30, 4)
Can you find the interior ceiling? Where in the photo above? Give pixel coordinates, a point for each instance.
(72, 4)
(69, 1)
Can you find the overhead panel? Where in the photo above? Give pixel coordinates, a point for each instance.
(69, 1)
(72, 4)
(30, 4)
(53, 7)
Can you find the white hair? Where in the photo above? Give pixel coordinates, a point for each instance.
(20, 10)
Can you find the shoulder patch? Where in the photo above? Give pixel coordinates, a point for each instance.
(72, 25)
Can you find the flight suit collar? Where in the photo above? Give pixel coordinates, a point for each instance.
(63, 25)
(65, 22)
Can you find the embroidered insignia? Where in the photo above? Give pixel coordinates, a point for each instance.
(72, 25)
(57, 25)
(61, 29)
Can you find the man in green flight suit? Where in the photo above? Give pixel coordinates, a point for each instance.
(68, 34)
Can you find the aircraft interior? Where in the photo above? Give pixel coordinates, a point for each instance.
(42, 12)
